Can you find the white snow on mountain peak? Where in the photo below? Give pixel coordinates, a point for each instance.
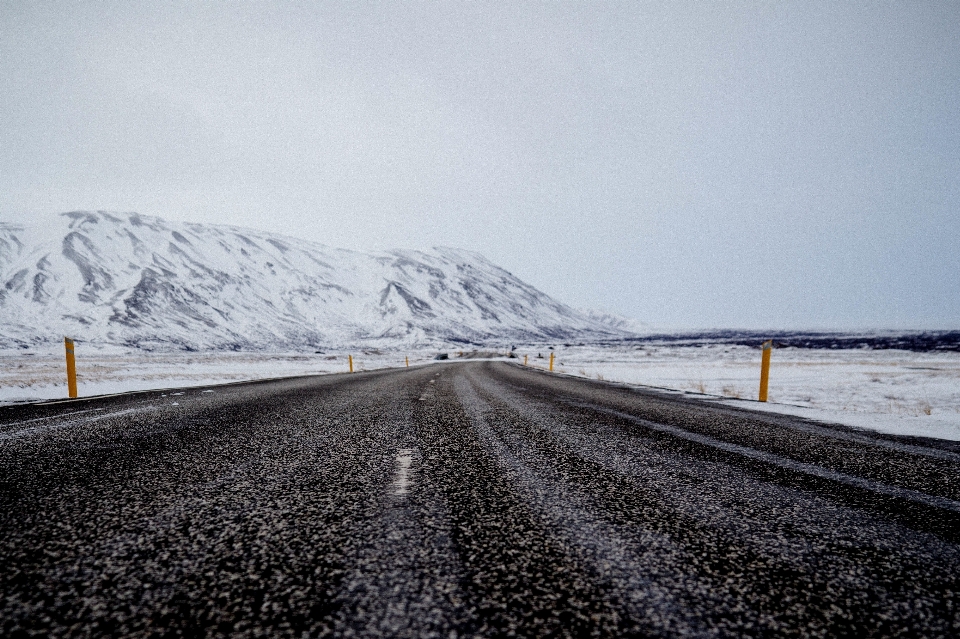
(137, 280)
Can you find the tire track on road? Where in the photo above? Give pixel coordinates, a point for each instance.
(784, 565)
(620, 565)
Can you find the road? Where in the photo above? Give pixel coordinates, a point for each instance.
(466, 499)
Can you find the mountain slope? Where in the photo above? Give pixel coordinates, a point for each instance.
(142, 281)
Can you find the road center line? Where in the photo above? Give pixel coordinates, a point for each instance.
(404, 461)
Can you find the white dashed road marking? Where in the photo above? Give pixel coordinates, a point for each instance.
(404, 460)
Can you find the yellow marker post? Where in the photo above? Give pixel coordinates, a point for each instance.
(551, 361)
(765, 369)
(524, 360)
(350, 359)
(71, 367)
(408, 361)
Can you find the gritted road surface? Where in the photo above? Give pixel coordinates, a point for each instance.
(466, 499)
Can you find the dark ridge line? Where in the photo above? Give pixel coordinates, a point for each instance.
(916, 341)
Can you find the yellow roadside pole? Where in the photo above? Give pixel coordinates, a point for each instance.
(524, 360)
(71, 367)
(350, 359)
(765, 369)
(551, 361)
(407, 359)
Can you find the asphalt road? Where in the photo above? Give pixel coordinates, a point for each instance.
(466, 499)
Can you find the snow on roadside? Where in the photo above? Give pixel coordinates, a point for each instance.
(105, 370)
(889, 391)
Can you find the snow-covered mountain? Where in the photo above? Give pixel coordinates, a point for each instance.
(612, 320)
(135, 280)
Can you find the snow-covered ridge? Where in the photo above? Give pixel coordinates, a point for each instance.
(613, 320)
(137, 280)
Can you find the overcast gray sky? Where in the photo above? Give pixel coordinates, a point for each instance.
(768, 164)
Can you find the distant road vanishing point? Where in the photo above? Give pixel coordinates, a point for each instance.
(466, 499)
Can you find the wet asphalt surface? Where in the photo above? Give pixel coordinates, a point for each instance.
(466, 499)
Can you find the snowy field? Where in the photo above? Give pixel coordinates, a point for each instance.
(891, 391)
(101, 371)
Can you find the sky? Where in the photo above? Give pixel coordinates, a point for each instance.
(690, 165)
